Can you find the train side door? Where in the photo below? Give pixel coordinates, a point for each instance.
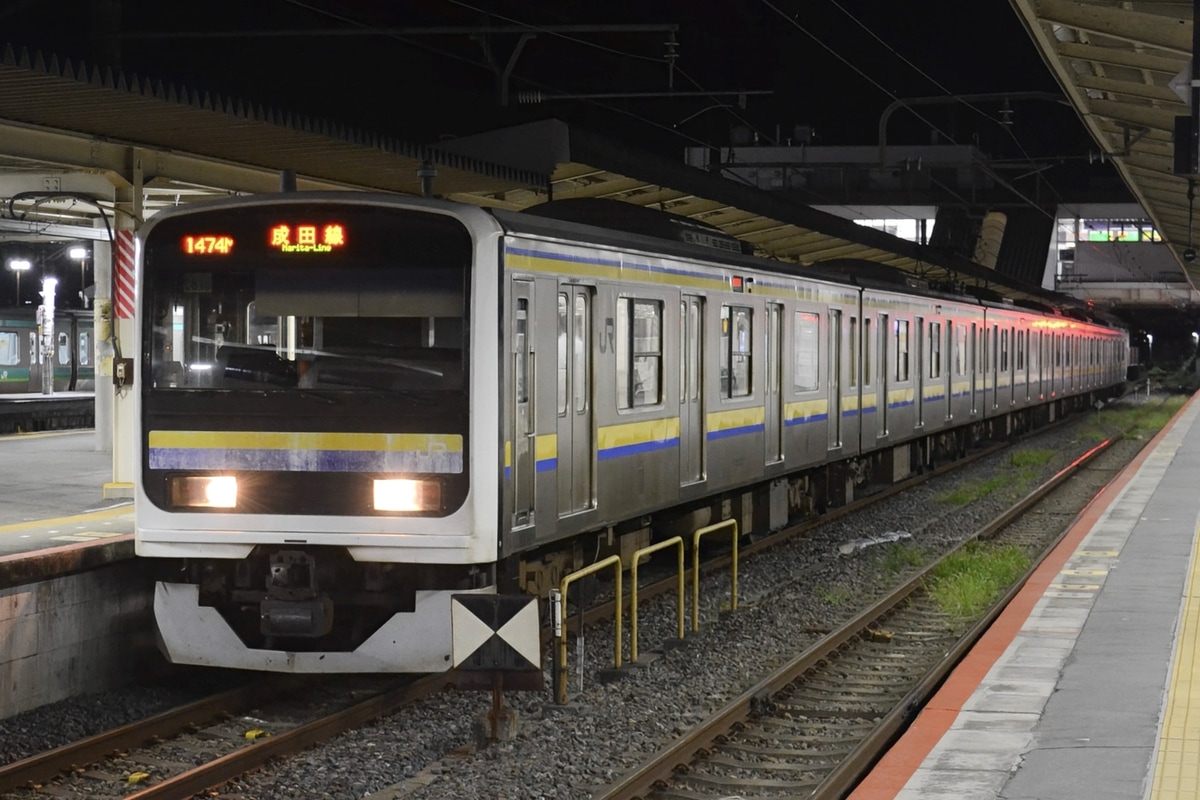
(524, 463)
(773, 413)
(919, 371)
(35, 363)
(574, 373)
(691, 384)
(974, 367)
(885, 337)
(835, 379)
(950, 367)
(994, 365)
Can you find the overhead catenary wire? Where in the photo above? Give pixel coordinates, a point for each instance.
(791, 19)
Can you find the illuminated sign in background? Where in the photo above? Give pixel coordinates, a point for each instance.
(307, 238)
(283, 237)
(208, 244)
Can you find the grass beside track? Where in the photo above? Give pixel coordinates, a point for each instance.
(968, 581)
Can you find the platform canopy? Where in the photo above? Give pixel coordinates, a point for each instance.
(1126, 68)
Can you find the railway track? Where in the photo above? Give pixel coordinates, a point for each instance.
(814, 727)
(206, 744)
(188, 750)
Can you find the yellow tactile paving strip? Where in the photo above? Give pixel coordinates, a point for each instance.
(1177, 765)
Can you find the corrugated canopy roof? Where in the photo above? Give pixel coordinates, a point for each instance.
(512, 168)
(59, 94)
(1116, 61)
(583, 165)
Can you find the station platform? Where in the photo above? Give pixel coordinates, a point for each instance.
(33, 411)
(1088, 685)
(54, 499)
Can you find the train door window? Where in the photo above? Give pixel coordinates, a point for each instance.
(736, 339)
(774, 349)
(960, 350)
(639, 352)
(683, 352)
(935, 349)
(901, 349)
(33, 349)
(867, 346)
(853, 352)
(581, 364)
(85, 348)
(10, 349)
(1004, 350)
(521, 330)
(805, 352)
(563, 361)
(64, 348)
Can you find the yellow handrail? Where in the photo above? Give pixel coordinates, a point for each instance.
(562, 639)
(674, 541)
(696, 567)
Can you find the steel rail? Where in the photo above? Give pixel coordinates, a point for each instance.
(664, 764)
(45, 766)
(221, 770)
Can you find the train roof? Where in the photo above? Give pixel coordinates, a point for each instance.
(615, 224)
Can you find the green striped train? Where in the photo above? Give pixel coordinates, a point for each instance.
(353, 406)
(24, 362)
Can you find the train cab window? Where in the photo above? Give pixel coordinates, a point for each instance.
(805, 351)
(63, 349)
(935, 349)
(901, 349)
(85, 348)
(639, 353)
(736, 338)
(10, 348)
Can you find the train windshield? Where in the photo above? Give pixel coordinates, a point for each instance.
(380, 310)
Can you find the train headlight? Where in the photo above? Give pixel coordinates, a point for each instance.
(206, 491)
(400, 494)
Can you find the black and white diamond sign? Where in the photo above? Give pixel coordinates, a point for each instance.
(498, 632)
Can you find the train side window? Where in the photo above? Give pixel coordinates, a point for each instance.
(805, 352)
(901, 349)
(736, 338)
(64, 348)
(639, 352)
(85, 348)
(10, 348)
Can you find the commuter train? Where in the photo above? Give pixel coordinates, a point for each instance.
(354, 406)
(22, 356)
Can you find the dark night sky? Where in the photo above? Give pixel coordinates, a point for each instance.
(832, 64)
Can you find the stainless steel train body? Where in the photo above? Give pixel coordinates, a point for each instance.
(23, 361)
(354, 406)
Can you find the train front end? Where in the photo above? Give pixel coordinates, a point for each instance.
(306, 437)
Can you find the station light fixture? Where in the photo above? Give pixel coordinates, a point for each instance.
(19, 265)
